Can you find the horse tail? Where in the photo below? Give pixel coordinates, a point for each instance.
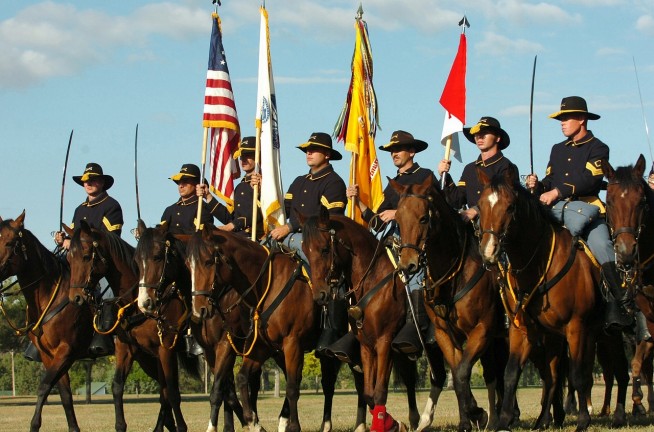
(190, 364)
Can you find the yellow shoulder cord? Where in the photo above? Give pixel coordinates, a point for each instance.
(507, 275)
(255, 317)
(119, 318)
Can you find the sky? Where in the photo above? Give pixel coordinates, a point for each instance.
(101, 68)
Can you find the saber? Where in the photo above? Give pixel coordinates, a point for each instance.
(63, 183)
(136, 171)
(642, 107)
(531, 117)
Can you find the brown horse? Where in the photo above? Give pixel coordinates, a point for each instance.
(60, 331)
(336, 247)
(631, 222)
(281, 314)
(461, 294)
(549, 286)
(95, 254)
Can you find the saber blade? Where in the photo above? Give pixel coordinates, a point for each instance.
(63, 182)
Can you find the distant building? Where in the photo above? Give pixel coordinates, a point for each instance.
(97, 388)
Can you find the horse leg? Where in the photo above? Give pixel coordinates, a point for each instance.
(606, 359)
(519, 348)
(242, 381)
(124, 360)
(285, 412)
(621, 367)
(169, 381)
(637, 368)
(547, 359)
(437, 379)
(294, 358)
(55, 369)
(409, 373)
(67, 402)
(329, 368)
(360, 422)
(581, 346)
(381, 371)
(647, 370)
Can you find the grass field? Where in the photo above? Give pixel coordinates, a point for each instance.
(16, 413)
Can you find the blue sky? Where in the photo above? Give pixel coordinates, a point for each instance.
(102, 67)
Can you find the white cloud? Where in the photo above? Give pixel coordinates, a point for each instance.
(645, 24)
(495, 44)
(609, 51)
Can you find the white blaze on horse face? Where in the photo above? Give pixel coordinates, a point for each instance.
(492, 199)
(143, 291)
(624, 193)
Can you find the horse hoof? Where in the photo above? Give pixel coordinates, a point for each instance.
(638, 410)
(398, 426)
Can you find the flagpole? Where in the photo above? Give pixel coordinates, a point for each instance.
(448, 148)
(257, 169)
(204, 160)
(353, 176)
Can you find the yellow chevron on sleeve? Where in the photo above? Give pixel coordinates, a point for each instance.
(336, 204)
(594, 169)
(461, 183)
(109, 226)
(288, 196)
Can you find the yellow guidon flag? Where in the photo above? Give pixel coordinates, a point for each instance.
(357, 125)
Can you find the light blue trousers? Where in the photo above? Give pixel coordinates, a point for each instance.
(583, 219)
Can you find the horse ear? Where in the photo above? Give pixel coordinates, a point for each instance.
(607, 169)
(140, 226)
(84, 225)
(484, 180)
(20, 220)
(68, 230)
(639, 169)
(399, 188)
(323, 218)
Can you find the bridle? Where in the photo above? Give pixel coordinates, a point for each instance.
(335, 276)
(90, 280)
(170, 289)
(422, 243)
(18, 247)
(213, 293)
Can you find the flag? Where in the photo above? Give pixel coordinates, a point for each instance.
(221, 120)
(271, 196)
(357, 126)
(453, 99)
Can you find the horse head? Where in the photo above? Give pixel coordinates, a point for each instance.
(12, 248)
(497, 204)
(328, 254)
(160, 259)
(415, 211)
(204, 254)
(625, 209)
(87, 262)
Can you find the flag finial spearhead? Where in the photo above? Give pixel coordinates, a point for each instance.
(464, 23)
(359, 12)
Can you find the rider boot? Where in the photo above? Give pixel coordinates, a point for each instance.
(31, 353)
(101, 345)
(642, 333)
(193, 348)
(619, 309)
(407, 340)
(334, 324)
(346, 349)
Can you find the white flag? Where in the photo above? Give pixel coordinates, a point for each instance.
(451, 127)
(271, 198)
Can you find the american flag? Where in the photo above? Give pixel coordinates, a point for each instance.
(221, 119)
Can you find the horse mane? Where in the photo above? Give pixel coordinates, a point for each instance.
(146, 243)
(624, 176)
(122, 249)
(51, 264)
(528, 206)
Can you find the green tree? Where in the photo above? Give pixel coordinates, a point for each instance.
(311, 372)
(14, 312)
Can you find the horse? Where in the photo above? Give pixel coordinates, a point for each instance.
(336, 247)
(462, 297)
(631, 222)
(279, 300)
(549, 286)
(95, 254)
(61, 332)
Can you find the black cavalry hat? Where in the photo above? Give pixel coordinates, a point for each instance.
(401, 138)
(247, 145)
(190, 171)
(321, 140)
(574, 104)
(488, 123)
(94, 170)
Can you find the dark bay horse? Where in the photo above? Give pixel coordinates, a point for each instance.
(61, 332)
(279, 299)
(95, 254)
(630, 217)
(550, 287)
(461, 295)
(335, 246)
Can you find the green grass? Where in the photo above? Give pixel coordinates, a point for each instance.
(16, 413)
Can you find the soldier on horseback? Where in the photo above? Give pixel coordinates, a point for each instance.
(322, 186)
(403, 148)
(571, 187)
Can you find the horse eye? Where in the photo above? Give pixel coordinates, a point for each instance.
(324, 251)
(208, 263)
(158, 258)
(424, 220)
(86, 258)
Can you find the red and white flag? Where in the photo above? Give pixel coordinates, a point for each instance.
(453, 99)
(221, 119)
